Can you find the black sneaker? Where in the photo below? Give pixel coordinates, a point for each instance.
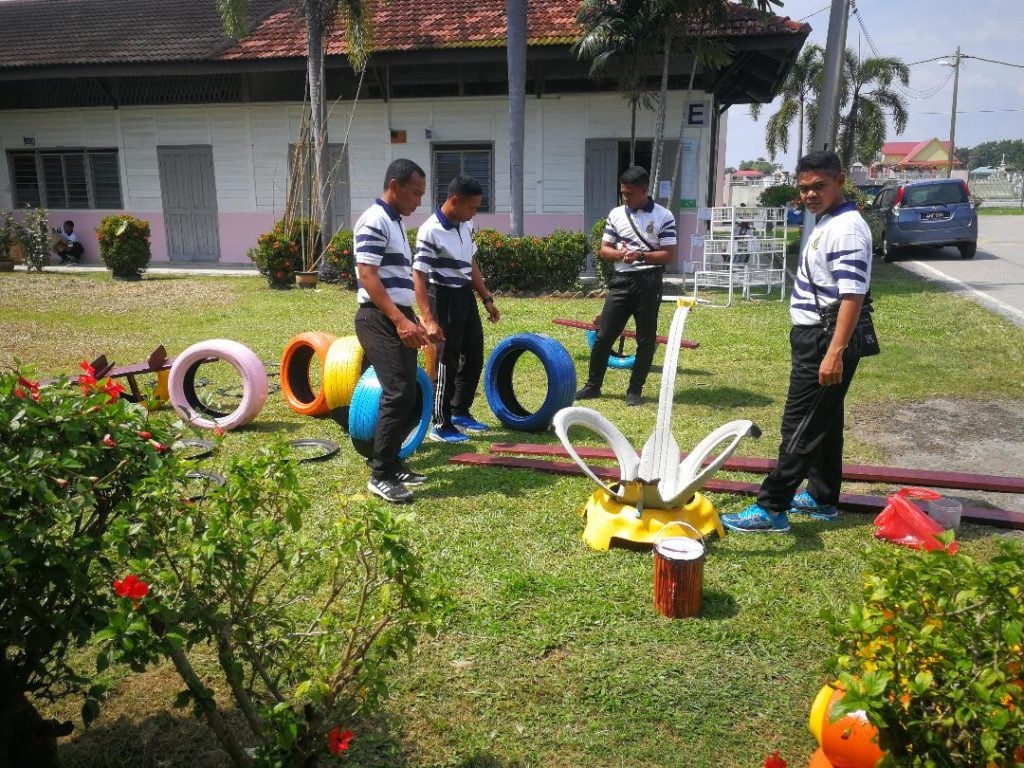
(389, 489)
(407, 477)
(588, 392)
(633, 399)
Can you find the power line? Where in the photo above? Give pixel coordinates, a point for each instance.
(805, 18)
(993, 61)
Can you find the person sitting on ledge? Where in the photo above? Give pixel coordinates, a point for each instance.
(67, 245)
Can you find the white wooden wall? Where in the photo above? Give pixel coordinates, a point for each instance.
(250, 143)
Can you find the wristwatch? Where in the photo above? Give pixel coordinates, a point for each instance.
(641, 259)
(488, 300)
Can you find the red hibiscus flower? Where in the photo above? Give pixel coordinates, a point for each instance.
(19, 392)
(87, 381)
(774, 761)
(109, 441)
(145, 435)
(338, 740)
(158, 446)
(131, 587)
(218, 431)
(113, 389)
(32, 386)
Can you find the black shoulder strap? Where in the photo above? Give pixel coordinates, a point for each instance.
(632, 223)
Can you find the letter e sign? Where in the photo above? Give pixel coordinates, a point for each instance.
(695, 113)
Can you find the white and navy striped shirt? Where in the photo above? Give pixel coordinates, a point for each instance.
(444, 251)
(838, 257)
(656, 224)
(380, 241)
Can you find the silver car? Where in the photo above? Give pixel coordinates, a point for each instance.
(929, 212)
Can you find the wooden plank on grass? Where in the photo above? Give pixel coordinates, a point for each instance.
(864, 473)
(849, 502)
(683, 343)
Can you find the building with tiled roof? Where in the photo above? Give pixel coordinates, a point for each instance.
(900, 157)
(146, 106)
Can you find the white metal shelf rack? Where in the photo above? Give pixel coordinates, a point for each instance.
(741, 249)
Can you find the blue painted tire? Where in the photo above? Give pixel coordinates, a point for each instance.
(362, 413)
(623, 362)
(498, 387)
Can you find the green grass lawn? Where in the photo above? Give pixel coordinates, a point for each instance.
(550, 654)
(1001, 210)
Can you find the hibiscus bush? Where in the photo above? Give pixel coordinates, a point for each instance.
(531, 263)
(124, 245)
(304, 622)
(72, 455)
(34, 235)
(288, 247)
(339, 260)
(934, 657)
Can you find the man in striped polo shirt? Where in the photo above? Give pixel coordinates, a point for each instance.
(445, 275)
(386, 325)
(640, 238)
(832, 280)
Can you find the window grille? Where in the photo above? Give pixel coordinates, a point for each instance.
(65, 178)
(476, 160)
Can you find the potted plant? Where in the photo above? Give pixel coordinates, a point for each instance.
(124, 245)
(305, 233)
(933, 657)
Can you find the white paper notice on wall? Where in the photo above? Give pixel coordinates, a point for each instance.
(664, 188)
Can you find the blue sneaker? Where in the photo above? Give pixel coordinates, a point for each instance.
(446, 434)
(465, 421)
(804, 504)
(756, 519)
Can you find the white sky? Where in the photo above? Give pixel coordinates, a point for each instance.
(990, 103)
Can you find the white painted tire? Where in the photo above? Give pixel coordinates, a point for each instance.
(181, 384)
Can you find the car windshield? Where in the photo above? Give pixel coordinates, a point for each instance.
(935, 194)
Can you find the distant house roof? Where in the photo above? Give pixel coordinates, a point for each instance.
(906, 153)
(46, 33)
(747, 174)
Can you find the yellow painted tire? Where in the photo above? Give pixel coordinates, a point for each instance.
(343, 366)
(295, 362)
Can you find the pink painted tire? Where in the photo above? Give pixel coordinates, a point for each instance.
(186, 402)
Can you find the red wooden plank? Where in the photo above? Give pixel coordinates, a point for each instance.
(864, 473)
(1000, 518)
(683, 344)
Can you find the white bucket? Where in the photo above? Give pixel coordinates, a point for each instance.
(945, 512)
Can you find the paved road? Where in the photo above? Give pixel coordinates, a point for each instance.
(994, 277)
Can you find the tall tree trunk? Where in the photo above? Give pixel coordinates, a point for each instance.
(851, 131)
(320, 184)
(515, 23)
(800, 132)
(657, 151)
(674, 189)
(632, 131)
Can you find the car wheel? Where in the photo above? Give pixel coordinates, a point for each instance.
(967, 250)
(889, 251)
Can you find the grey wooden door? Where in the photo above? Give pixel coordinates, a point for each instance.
(600, 183)
(189, 195)
(338, 204)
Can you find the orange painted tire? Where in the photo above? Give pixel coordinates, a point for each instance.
(818, 760)
(295, 384)
(851, 741)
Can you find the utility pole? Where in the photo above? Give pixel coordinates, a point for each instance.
(952, 117)
(824, 137)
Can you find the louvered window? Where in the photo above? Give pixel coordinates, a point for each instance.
(66, 179)
(476, 160)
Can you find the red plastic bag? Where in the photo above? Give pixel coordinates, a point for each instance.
(902, 522)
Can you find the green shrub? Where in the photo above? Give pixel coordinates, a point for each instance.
(934, 657)
(34, 236)
(284, 250)
(531, 263)
(72, 456)
(779, 196)
(305, 623)
(9, 231)
(124, 244)
(605, 268)
(339, 260)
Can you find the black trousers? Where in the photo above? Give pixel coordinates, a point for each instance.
(395, 365)
(462, 360)
(636, 295)
(812, 426)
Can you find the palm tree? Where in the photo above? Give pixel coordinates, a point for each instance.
(515, 25)
(871, 93)
(799, 92)
(320, 17)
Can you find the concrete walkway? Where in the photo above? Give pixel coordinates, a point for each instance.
(163, 268)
